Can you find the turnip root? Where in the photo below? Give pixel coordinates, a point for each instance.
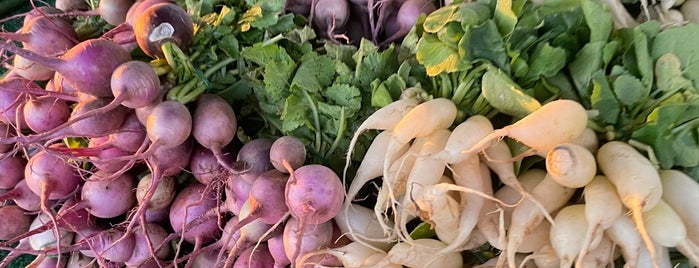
(602, 208)
(623, 233)
(14, 221)
(527, 215)
(559, 121)
(359, 224)
(571, 165)
(636, 180)
(213, 110)
(568, 233)
(423, 253)
(680, 192)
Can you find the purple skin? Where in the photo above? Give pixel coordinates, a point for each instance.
(290, 149)
(205, 167)
(158, 19)
(253, 159)
(12, 170)
(314, 194)
(14, 221)
(188, 206)
(257, 258)
(45, 113)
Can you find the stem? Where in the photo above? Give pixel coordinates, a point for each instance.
(340, 133)
(316, 120)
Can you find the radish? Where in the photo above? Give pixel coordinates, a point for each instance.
(527, 215)
(559, 120)
(602, 208)
(163, 195)
(568, 232)
(205, 167)
(108, 198)
(600, 256)
(163, 23)
(14, 221)
(213, 110)
(303, 237)
(147, 238)
(423, 253)
(372, 163)
(275, 245)
(169, 124)
(111, 244)
(385, 118)
(253, 159)
(48, 239)
(189, 204)
(254, 258)
(571, 165)
(657, 219)
(11, 100)
(289, 149)
(359, 224)
(313, 193)
(45, 113)
(12, 170)
(681, 191)
(71, 5)
(406, 18)
(640, 193)
(79, 66)
(329, 16)
(623, 233)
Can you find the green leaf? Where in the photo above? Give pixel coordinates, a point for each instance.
(265, 54)
(587, 61)
(486, 43)
(439, 18)
(598, 19)
(423, 230)
(546, 61)
(504, 17)
(436, 56)
(346, 96)
(677, 40)
(277, 79)
(671, 148)
(668, 74)
(603, 100)
(473, 13)
(315, 73)
(296, 113)
(506, 96)
(630, 91)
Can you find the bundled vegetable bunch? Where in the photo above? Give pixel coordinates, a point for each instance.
(382, 22)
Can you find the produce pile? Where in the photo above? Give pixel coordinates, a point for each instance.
(361, 133)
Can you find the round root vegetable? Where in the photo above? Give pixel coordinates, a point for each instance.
(267, 197)
(253, 159)
(45, 113)
(636, 180)
(359, 224)
(214, 125)
(205, 167)
(147, 238)
(406, 18)
(87, 67)
(254, 258)
(169, 124)
(313, 193)
(559, 121)
(12, 170)
(330, 16)
(289, 149)
(160, 24)
(48, 239)
(14, 221)
(568, 233)
(304, 237)
(657, 221)
(191, 203)
(624, 234)
(163, 195)
(108, 198)
(351, 255)
(571, 165)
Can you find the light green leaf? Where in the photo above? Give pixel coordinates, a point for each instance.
(598, 19)
(439, 18)
(504, 17)
(630, 91)
(295, 113)
(436, 56)
(506, 96)
(603, 100)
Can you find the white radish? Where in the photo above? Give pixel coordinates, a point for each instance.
(527, 215)
(568, 232)
(556, 122)
(588, 139)
(571, 165)
(438, 209)
(465, 135)
(681, 192)
(527, 180)
(666, 228)
(623, 233)
(359, 224)
(372, 164)
(603, 207)
(600, 256)
(424, 253)
(385, 118)
(636, 180)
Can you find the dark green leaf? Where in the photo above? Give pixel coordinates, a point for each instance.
(486, 43)
(602, 98)
(630, 91)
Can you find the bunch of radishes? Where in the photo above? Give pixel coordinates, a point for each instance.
(441, 174)
(383, 22)
(95, 163)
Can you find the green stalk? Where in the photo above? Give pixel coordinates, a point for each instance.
(316, 119)
(340, 133)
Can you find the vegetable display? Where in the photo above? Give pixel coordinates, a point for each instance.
(350, 133)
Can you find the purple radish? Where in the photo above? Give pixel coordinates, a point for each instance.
(160, 24)
(214, 125)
